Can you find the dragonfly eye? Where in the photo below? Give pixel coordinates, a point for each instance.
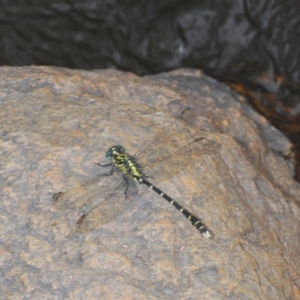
(118, 148)
(109, 154)
(114, 150)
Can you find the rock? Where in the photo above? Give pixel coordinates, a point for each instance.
(237, 177)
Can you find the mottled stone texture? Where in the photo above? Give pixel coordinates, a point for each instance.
(55, 123)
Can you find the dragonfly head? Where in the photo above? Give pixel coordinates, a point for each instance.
(114, 151)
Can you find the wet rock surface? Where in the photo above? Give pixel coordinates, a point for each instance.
(56, 123)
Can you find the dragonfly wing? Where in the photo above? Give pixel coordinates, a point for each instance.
(108, 209)
(172, 155)
(93, 200)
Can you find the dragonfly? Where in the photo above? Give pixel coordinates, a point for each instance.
(107, 195)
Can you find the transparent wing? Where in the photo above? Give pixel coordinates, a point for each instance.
(105, 211)
(173, 152)
(98, 201)
(87, 194)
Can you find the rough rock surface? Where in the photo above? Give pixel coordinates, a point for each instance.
(55, 123)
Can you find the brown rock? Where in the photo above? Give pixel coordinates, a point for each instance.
(56, 123)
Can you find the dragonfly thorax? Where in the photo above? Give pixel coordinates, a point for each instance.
(124, 162)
